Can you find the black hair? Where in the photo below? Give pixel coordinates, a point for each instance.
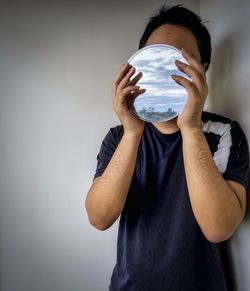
(180, 15)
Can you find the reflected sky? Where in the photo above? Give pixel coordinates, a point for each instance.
(157, 63)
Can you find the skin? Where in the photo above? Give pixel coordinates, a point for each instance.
(218, 205)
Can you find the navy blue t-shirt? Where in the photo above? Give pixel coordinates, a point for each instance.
(160, 245)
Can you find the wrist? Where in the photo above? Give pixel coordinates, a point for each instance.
(191, 129)
(135, 135)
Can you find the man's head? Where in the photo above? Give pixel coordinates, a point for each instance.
(179, 27)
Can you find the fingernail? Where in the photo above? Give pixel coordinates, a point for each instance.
(177, 62)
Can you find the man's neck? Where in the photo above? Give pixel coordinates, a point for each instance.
(167, 127)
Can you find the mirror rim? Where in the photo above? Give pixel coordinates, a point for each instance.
(147, 47)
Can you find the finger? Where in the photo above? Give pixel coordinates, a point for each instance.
(122, 95)
(188, 85)
(134, 95)
(125, 81)
(193, 61)
(122, 72)
(192, 73)
(135, 80)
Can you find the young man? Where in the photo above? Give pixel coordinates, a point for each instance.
(179, 186)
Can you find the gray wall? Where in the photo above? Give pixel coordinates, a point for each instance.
(57, 62)
(229, 95)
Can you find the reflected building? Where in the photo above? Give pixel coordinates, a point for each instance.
(150, 113)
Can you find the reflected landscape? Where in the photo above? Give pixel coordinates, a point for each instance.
(150, 113)
(164, 98)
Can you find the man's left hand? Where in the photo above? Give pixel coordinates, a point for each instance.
(197, 90)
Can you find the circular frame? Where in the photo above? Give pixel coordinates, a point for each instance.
(163, 99)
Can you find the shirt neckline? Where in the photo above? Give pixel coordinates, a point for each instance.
(164, 135)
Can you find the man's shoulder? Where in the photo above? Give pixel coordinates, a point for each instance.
(217, 123)
(117, 129)
(116, 133)
(215, 117)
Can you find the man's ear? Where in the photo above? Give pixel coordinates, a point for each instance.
(206, 65)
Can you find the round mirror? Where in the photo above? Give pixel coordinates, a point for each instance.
(164, 98)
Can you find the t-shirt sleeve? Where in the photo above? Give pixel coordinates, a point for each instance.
(108, 147)
(237, 168)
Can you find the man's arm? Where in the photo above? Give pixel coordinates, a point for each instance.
(218, 205)
(107, 195)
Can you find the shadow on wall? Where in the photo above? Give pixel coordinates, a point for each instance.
(222, 94)
(247, 217)
(235, 248)
(224, 100)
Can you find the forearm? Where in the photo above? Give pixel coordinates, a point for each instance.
(214, 203)
(107, 195)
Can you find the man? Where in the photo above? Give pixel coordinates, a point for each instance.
(179, 186)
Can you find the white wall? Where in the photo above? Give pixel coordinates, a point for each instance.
(57, 61)
(229, 95)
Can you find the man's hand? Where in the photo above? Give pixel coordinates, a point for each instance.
(197, 90)
(124, 93)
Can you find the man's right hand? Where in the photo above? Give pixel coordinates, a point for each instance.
(124, 92)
